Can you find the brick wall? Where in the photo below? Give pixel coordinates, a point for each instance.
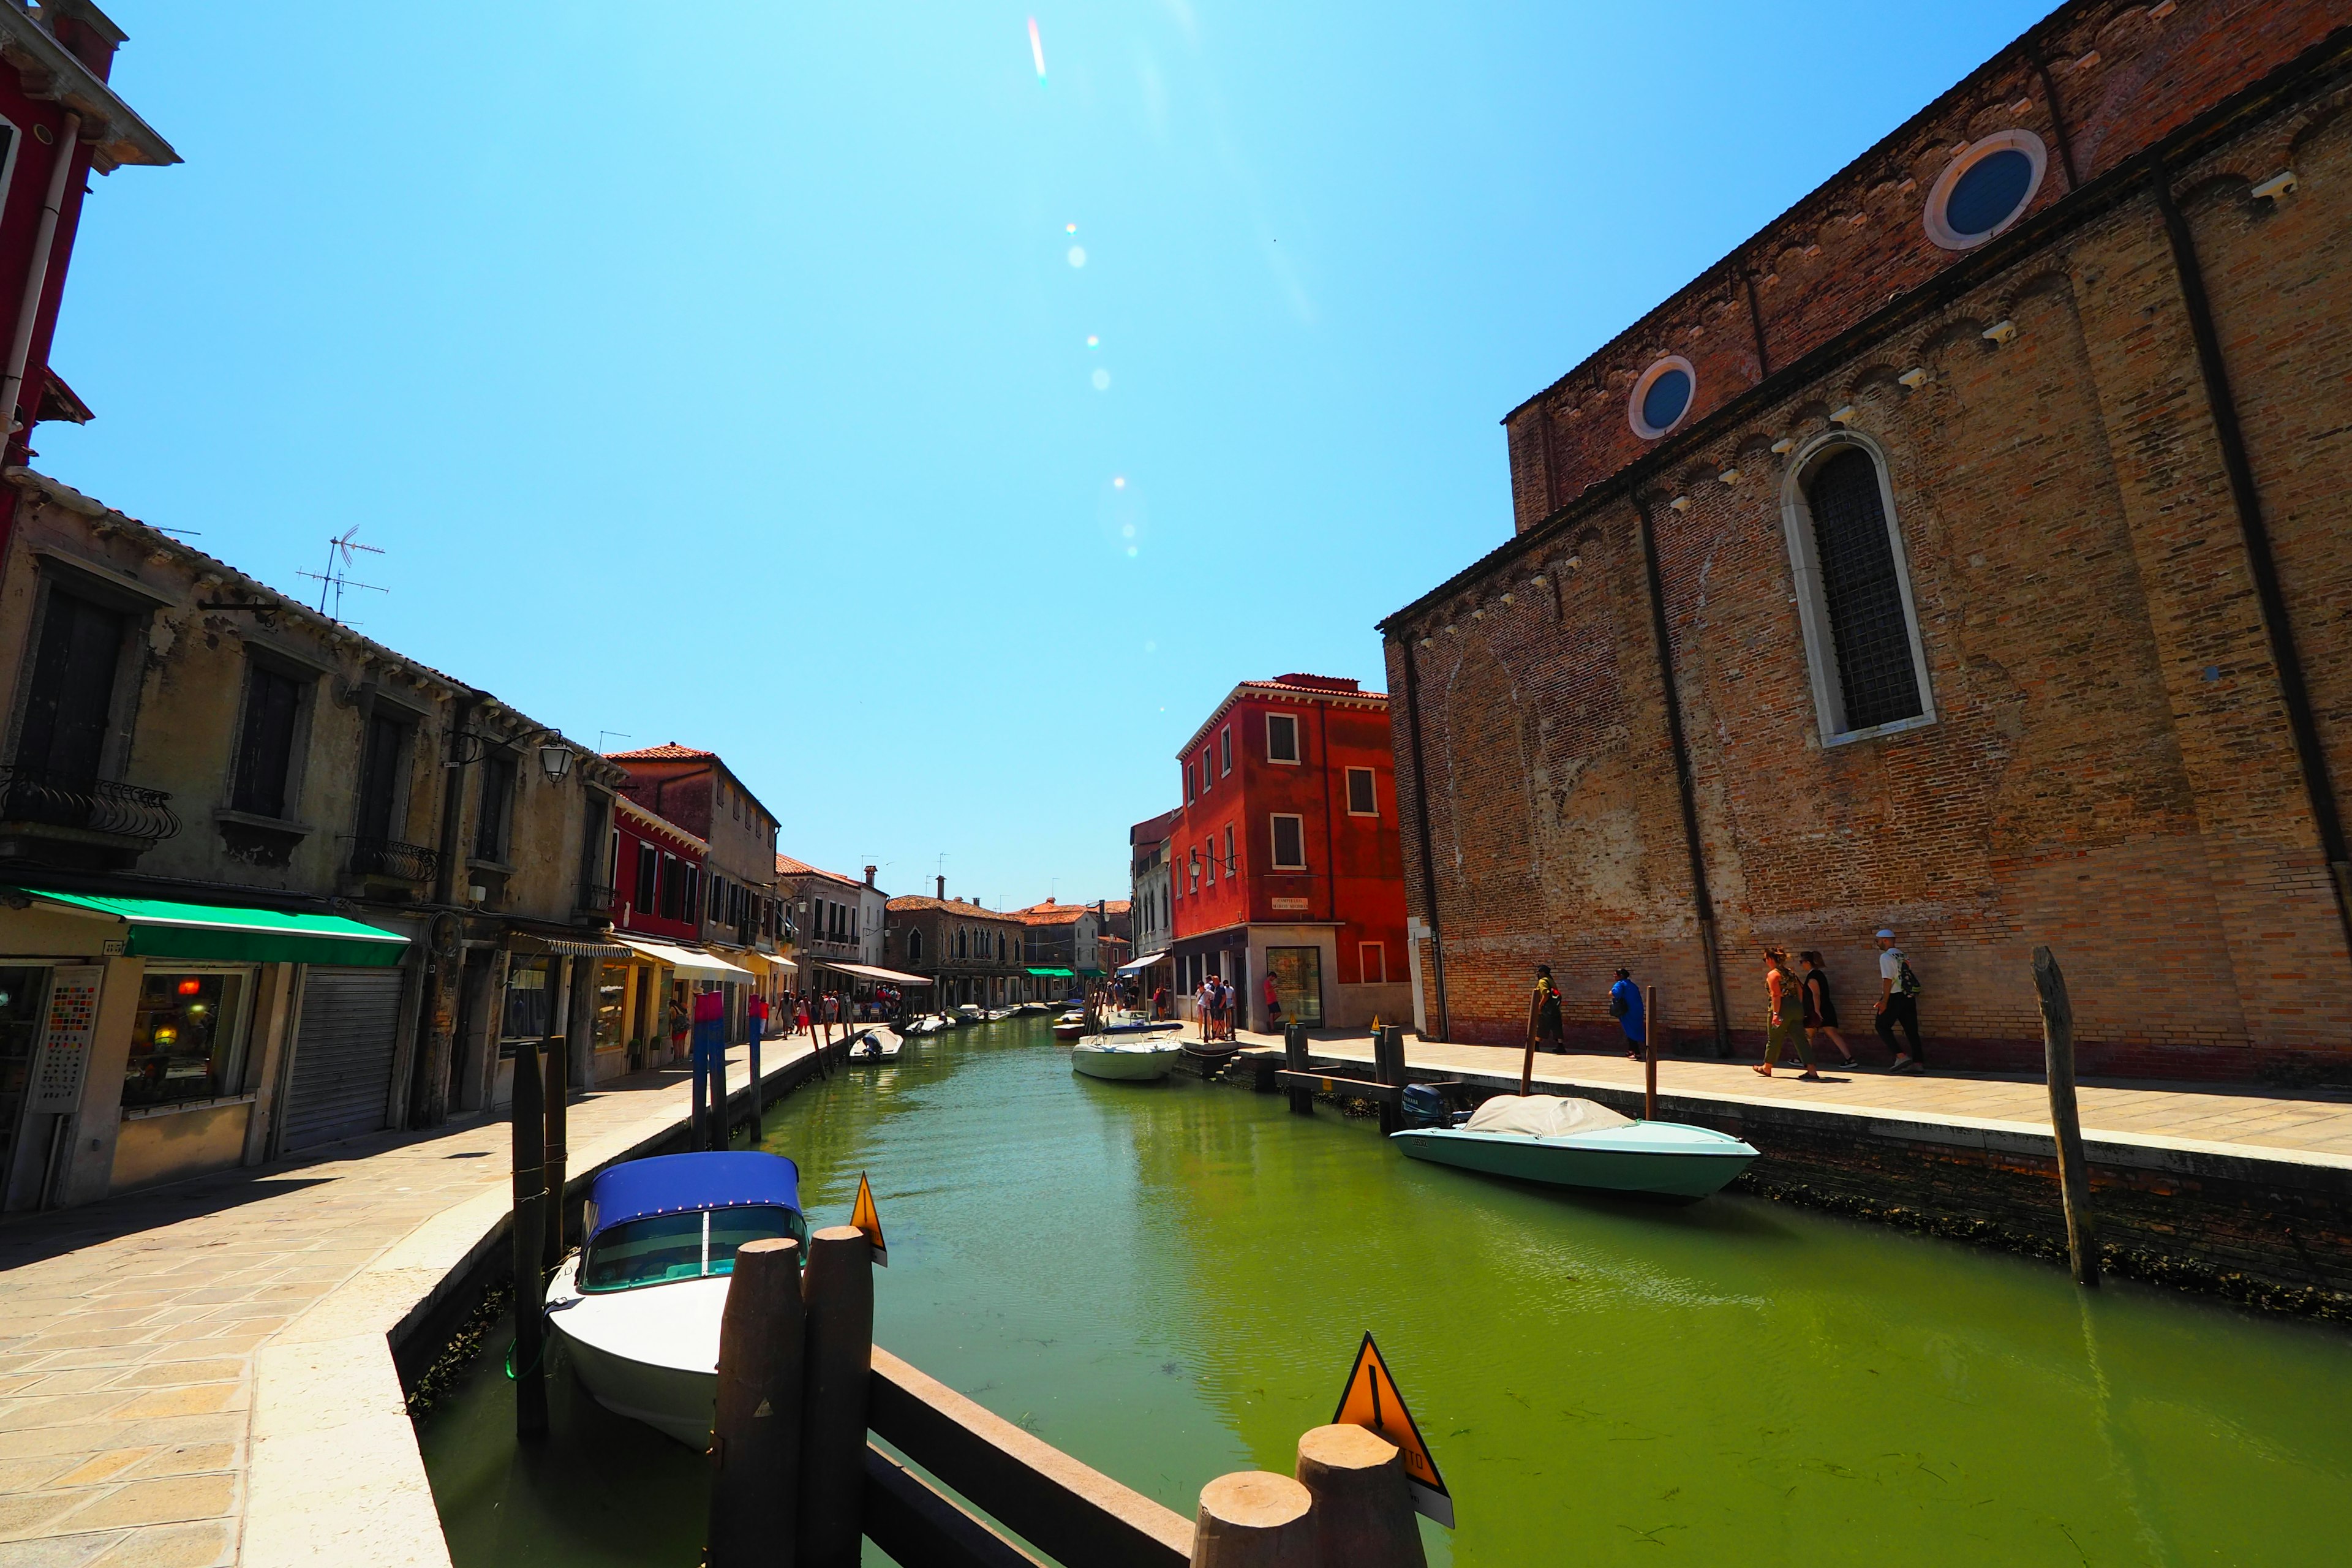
(2109, 769)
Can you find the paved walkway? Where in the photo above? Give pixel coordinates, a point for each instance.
(2316, 1122)
(136, 1334)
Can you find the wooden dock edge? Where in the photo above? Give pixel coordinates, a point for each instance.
(1071, 1512)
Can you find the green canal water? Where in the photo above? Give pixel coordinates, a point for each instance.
(1168, 1281)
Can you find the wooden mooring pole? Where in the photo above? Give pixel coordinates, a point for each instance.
(755, 1449)
(1387, 1068)
(838, 1290)
(1363, 1501)
(552, 1248)
(1650, 1058)
(1294, 1053)
(529, 1355)
(1253, 1519)
(2065, 1125)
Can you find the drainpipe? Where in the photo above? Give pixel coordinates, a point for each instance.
(430, 1099)
(20, 347)
(1331, 848)
(1702, 902)
(2260, 564)
(1421, 826)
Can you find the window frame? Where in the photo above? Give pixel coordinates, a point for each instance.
(1363, 973)
(304, 679)
(495, 849)
(1225, 750)
(1372, 788)
(1642, 384)
(1273, 859)
(1931, 212)
(1812, 604)
(1296, 758)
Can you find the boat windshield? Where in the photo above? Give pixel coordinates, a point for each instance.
(662, 1248)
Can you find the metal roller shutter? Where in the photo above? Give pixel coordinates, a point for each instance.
(342, 1057)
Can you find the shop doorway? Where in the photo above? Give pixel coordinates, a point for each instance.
(1298, 979)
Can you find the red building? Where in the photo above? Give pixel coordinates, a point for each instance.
(657, 870)
(1285, 855)
(59, 123)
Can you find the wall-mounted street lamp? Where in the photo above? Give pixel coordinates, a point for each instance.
(555, 762)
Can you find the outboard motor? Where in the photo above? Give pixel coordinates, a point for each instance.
(1424, 1106)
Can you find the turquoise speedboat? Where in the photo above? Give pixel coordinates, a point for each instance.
(1578, 1144)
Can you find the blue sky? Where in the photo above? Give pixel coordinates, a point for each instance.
(721, 374)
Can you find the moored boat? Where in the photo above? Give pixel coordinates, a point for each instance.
(1125, 1057)
(875, 1048)
(1569, 1143)
(637, 1307)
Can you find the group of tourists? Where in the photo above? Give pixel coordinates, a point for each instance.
(1800, 1011)
(1214, 1005)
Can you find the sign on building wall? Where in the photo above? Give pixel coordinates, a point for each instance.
(68, 1028)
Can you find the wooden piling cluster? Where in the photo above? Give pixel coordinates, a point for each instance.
(1349, 1506)
(788, 1446)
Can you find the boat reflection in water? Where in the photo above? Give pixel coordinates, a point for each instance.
(637, 1308)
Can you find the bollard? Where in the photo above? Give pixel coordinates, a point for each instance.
(1387, 1068)
(529, 1359)
(2065, 1125)
(759, 1028)
(1363, 1501)
(698, 1135)
(839, 1292)
(552, 1184)
(1294, 1053)
(1650, 1058)
(1253, 1519)
(755, 1449)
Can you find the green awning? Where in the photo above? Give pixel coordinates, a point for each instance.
(1055, 974)
(161, 929)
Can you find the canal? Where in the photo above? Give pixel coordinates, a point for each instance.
(1168, 1281)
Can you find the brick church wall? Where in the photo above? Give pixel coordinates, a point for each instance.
(2110, 768)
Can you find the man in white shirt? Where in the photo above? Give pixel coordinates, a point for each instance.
(1897, 1004)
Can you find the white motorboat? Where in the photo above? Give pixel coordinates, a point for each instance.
(1126, 1057)
(875, 1048)
(970, 1013)
(1570, 1143)
(636, 1310)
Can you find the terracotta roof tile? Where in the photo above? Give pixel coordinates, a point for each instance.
(788, 867)
(667, 751)
(913, 904)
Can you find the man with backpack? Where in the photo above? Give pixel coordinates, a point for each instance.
(1898, 1003)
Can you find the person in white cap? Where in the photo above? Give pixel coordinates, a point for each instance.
(1898, 1003)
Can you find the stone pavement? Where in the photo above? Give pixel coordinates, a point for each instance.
(146, 1341)
(2310, 1123)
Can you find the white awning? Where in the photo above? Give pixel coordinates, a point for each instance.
(1142, 964)
(872, 972)
(684, 960)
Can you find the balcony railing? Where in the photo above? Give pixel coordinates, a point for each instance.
(596, 900)
(391, 857)
(93, 806)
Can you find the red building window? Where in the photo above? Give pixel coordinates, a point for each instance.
(1375, 960)
(1282, 737)
(1225, 750)
(1289, 842)
(1362, 800)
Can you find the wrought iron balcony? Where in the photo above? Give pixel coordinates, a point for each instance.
(37, 797)
(594, 900)
(391, 857)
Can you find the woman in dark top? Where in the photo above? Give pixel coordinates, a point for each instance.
(1821, 1008)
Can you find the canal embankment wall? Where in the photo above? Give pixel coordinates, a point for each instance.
(335, 1474)
(2267, 1227)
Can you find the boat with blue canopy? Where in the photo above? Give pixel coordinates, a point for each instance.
(637, 1308)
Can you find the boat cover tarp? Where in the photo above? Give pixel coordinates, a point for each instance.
(1543, 1116)
(684, 1184)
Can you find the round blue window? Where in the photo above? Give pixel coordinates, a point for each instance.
(1988, 193)
(1665, 398)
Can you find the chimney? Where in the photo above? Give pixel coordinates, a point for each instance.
(869, 876)
(943, 890)
(86, 33)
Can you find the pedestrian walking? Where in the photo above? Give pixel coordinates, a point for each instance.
(1220, 1007)
(1273, 995)
(1821, 1008)
(1785, 1023)
(1625, 1007)
(1544, 1031)
(1202, 1001)
(1899, 1004)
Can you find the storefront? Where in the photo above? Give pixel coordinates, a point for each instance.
(143, 1040)
(665, 978)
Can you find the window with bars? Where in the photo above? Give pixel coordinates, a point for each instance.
(1861, 603)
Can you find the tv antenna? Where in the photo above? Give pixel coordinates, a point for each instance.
(337, 576)
(601, 733)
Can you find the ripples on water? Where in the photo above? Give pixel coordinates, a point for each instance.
(1168, 1281)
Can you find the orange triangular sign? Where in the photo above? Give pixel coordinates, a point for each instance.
(1371, 1400)
(865, 1218)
